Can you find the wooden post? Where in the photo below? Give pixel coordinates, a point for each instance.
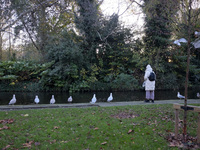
(178, 107)
(198, 129)
(176, 123)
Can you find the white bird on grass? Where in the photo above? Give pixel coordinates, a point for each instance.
(70, 99)
(198, 95)
(36, 99)
(13, 100)
(180, 96)
(52, 101)
(110, 98)
(93, 99)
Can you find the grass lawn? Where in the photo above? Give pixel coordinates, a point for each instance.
(110, 128)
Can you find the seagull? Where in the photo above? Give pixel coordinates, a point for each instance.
(70, 99)
(196, 43)
(181, 40)
(197, 33)
(36, 99)
(93, 99)
(180, 96)
(13, 100)
(110, 98)
(52, 101)
(198, 95)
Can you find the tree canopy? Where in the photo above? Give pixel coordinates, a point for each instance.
(75, 47)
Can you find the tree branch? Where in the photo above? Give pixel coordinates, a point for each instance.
(29, 35)
(24, 13)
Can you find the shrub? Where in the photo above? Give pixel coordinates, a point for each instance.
(124, 82)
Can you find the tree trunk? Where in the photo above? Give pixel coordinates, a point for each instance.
(1, 47)
(42, 30)
(186, 95)
(187, 72)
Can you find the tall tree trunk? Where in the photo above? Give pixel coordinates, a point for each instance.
(9, 49)
(42, 33)
(187, 72)
(1, 47)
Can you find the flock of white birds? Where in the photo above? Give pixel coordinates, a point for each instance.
(52, 100)
(110, 98)
(183, 97)
(93, 101)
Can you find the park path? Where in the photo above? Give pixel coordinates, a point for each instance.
(100, 104)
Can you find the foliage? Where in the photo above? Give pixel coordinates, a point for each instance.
(157, 28)
(71, 46)
(86, 20)
(168, 81)
(15, 73)
(68, 59)
(41, 20)
(124, 82)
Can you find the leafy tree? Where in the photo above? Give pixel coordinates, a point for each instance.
(87, 22)
(158, 28)
(5, 15)
(41, 19)
(68, 60)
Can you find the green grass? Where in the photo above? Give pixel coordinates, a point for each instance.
(110, 128)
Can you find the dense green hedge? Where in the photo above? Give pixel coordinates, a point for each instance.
(30, 76)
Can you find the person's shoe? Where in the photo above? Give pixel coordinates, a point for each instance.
(146, 101)
(152, 101)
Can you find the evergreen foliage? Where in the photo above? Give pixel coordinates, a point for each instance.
(83, 50)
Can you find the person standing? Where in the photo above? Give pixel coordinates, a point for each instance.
(149, 79)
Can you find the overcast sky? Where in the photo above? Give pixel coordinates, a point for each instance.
(129, 16)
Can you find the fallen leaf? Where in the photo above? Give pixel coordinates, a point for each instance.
(56, 127)
(6, 147)
(28, 144)
(130, 130)
(53, 141)
(96, 128)
(25, 115)
(4, 128)
(104, 143)
(64, 142)
(5, 121)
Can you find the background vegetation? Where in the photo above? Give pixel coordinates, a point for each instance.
(70, 45)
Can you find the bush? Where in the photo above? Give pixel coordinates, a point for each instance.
(167, 81)
(124, 82)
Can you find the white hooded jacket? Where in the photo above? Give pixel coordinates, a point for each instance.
(149, 85)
